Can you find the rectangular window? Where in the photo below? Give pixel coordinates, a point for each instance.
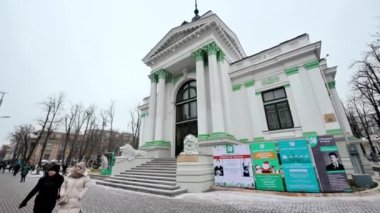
(277, 109)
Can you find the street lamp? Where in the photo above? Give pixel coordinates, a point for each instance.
(6, 116)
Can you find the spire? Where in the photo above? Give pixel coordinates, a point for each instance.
(196, 11)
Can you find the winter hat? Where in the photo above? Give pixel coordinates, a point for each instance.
(54, 168)
(80, 167)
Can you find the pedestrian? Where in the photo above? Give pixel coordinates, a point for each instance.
(47, 189)
(73, 189)
(24, 171)
(46, 167)
(16, 169)
(64, 168)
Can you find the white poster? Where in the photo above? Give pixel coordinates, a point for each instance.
(233, 166)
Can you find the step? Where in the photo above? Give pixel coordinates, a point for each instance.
(149, 185)
(153, 168)
(162, 182)
(161, 164)
(149, 177)
(155, 174)
(153, 171)
(144, 189)
(157, 165)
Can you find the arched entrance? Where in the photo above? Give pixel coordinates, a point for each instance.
(186, 114)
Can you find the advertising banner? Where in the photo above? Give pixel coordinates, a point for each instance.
(298, 167)
(233, 166)
(266, 166)
(331, 172)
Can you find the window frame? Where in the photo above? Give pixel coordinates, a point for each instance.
(275, 102)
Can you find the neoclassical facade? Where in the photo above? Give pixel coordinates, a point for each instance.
(203, 83)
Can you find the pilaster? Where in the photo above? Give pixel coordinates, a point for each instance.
(162, 74)
(201, 92)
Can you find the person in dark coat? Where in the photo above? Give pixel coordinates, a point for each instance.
(24, 171)
(47, 189)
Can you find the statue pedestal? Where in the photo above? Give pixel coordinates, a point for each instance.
(195, 172)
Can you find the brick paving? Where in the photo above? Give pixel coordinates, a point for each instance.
(102, 199)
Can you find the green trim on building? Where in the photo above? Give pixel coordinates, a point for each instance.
(211, 48)
(203, 137)
(257, 93)
(220, 55)
(216, 135)
(334, 132)
(311, 65)
(199, 54)
(331, 84)
(145, 114)
(287, 85)
(157, 143)
(236, 87)
(162, 74)
(249, 83)
(258, 139)
(153, 78)
(244, 140)
(308, 134)
(291, 71)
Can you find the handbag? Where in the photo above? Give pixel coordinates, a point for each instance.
(63, 200)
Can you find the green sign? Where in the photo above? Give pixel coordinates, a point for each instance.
(266, 166)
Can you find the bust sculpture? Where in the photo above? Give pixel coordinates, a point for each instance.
(190, 145)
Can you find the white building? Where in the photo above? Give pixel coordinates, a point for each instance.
(203, 83)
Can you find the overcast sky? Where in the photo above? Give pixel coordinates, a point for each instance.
(92, 49)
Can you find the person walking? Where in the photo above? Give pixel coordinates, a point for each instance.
(73, 189)
(47, 189)
(64, 168)
(24, 171)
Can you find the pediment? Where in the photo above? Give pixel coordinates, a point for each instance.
(180, 33)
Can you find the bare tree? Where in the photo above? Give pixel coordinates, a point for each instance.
(3, 151)
(69, 123)
(135, 124)
(111, 114)
(22, 135)
(54, 106)
(89, 127)
(78, 124)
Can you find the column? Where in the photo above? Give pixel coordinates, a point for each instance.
(306, 105)
(216, 99)
(339, 108)
(159, 133)
(201, 94)
(152, 107)
(322, 96)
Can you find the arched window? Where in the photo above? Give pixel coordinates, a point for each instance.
(186, 114)
(187, 102)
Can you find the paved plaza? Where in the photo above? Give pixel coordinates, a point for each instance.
(101, 199)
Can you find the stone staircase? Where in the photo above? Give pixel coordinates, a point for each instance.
(156, 177)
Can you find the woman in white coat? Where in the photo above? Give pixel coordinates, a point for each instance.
(74, 188)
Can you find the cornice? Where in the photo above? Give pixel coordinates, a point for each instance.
(241, 69)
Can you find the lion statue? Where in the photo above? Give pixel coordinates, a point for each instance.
(190, 145)
(130, 153)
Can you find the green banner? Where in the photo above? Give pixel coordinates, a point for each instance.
(266, 166)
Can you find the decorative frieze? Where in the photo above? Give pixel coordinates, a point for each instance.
(270, 80)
